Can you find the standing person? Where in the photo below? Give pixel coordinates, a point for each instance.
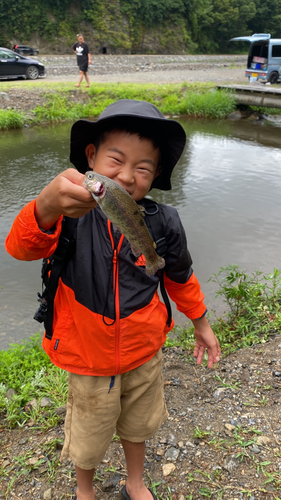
(82, 52)
(109, 324)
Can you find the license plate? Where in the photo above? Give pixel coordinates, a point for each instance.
(254, 74)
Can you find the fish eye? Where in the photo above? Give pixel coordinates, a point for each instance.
(90, 175)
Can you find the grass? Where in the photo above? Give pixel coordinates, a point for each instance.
(27, 369)
(254, 310)
(10, 119)
(198, 100)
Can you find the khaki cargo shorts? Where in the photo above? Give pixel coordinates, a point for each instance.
(134, 407)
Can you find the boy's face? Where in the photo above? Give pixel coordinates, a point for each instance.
(128, 160)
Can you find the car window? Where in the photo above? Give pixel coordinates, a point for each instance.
(6, 55)
(276, 51)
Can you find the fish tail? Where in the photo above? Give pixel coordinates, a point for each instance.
(152, 267)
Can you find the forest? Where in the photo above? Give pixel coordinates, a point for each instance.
(137, 26)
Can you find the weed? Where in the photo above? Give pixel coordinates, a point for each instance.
(254, 311)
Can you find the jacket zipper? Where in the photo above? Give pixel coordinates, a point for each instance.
(116, 295)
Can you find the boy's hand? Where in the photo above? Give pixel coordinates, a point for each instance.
(65, 195)
(205, 339)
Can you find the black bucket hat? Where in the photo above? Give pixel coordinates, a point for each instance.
(137, 116)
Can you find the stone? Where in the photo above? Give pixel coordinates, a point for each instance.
(255, 449)
(5, 96)
(33, 460)
(110, 483)
(181, 497)
(172, 454)
(160, 452)
(230, 463)
(191, 445)
(276, 374)
(46, 402)
(10, 394)
(219, 392)
(61, 410)
(229, 427)
(235, 115)
(31, 404)
(47, 494)
(263, 440)
(168, 469)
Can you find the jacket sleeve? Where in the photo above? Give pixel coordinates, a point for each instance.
(180, 281)
(26, 241)
(187, 296)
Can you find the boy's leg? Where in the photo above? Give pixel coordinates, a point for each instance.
(80, 79)
(87, 79)
(85, 490)
(135, 453)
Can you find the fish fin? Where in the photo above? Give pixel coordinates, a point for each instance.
(153, 268)
(142, 210)
(136, 251)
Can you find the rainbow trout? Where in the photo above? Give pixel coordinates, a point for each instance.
(126, 215)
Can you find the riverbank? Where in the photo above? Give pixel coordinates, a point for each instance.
(33, 104)
(222, 438)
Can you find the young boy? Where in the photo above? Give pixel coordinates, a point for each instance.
(82, 52)
(109, 324)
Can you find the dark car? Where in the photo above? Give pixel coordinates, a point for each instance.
(13, 65)
(25, 50)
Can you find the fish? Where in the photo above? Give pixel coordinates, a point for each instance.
(120, 208)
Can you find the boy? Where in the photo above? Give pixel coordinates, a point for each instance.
(109, 324)
(82, 52)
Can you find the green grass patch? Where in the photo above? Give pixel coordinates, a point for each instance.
(170, 100)
(61, 102)
(27, 369)
(10, 119)
(254, 311)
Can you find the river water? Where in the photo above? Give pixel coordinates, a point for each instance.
(226, 189)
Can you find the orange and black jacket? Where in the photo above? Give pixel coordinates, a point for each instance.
(108, 318)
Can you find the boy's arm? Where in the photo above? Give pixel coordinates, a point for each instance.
(36, 229)
(205, 339)
(65, 195)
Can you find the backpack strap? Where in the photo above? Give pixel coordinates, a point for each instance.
(52, 271)
(154, 224)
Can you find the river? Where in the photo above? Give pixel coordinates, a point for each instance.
(226, 189)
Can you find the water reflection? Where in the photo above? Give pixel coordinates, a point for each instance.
(226, 189)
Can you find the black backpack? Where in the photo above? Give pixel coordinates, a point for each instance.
(52, 267)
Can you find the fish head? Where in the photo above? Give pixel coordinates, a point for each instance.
(96, 186)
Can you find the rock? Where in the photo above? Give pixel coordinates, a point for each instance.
(31, 404)
(235, 115)
(180, 444)
(255, 449)
(61, 410)
(160, 452)
(219, 392)
(5, 96)
(276, 374)
(230, 463)
(10, 394)
(191, 445)
(181, 497)
(168, 469)
(229, 427)
(172, 454)
(263, 440)
(46, 402)
(110, 483)
(47, 494)
(33, 460)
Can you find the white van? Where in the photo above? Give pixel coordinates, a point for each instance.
(264, 57)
